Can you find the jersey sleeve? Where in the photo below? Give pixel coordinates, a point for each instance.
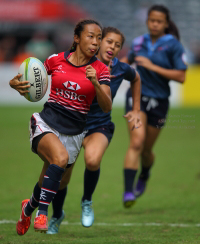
(104, 76)
(130, 73)
(49, 63)
(179, 57)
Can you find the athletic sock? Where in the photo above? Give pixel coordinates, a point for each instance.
(34, 201)
(57, 203)
(129, 177)
(90, 181)
(49, 188)
(145, 172)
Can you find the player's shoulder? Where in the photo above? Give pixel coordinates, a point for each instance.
(120, 65)
(123, 68)
(98, 65)
(172, 40)
(56, 56)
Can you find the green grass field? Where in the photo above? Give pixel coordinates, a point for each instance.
(172, 196)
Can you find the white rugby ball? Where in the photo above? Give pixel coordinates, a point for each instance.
(33, 70)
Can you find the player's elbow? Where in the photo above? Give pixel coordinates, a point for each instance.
(182, 77)
(107, 108)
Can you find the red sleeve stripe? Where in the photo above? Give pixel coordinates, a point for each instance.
(105, 71)
(104, 79)
(104, 75)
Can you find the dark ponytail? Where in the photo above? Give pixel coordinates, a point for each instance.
(80, 27)
(172, 29)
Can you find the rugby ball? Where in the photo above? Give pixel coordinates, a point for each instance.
(33, 70)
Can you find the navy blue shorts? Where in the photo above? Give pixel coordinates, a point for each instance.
(107, 130)
(155, 109)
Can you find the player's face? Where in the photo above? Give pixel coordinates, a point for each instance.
(110, 47)
(157, 23)
(90, 40)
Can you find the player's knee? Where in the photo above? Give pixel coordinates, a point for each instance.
(148, 154)
(61, 160)
(92, 162)
(137, 144)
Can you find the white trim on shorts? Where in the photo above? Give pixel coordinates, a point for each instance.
(71, 143)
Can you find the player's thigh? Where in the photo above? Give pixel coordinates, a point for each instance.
(51, 149)
(95, 146)
(137, 136)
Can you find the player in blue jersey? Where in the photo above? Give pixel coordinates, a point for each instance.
(100, 129)
(159, 57)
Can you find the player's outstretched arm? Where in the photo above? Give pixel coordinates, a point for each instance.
(19, 86)
(103, 92)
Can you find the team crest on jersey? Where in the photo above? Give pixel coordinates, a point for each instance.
(71, 85)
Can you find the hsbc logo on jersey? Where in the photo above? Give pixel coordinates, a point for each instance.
(70, 95)
(71, 85)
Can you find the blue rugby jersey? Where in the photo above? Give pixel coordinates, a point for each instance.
(96, 117)
(167, 52)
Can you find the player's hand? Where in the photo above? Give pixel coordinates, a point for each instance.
(144, 62)
(19, 86)
(134, 117)
(91, 75)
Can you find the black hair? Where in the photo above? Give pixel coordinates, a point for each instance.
(172, 28)
(80, 27)
(109, 29)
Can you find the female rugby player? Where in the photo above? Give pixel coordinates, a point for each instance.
(159, 57)
(100, 129)
(56, 133)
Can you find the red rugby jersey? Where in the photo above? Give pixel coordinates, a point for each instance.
(71, 93)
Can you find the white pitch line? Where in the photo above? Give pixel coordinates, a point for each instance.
(5, 221)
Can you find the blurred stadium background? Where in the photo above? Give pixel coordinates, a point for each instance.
(41, 27)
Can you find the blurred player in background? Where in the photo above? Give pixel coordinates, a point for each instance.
(159, 57)
(100, 129)
(57, 132)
